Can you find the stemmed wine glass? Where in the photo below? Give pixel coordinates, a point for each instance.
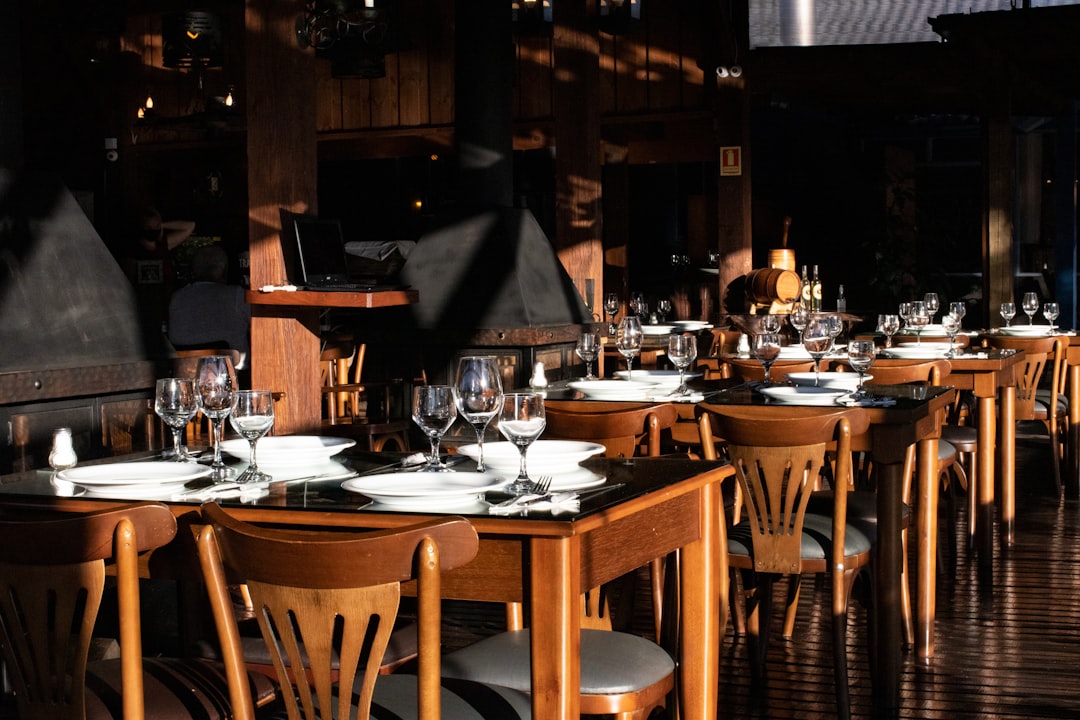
(798, 318)
(682, 350)
(766, 349)
(918, 318)
(521, 421)
(663, 307)
(588, 347)
(611, 307)
(951, 324)
(889, 325)
(1008, 312)
(817, 340)
(932, 303)
(433, 410)
(1030, 304)
(628, 341)
(905, 314)
(959, 309)
(861, 357)
(1050, 311)
(252, 417)
(479, 396)
(771, 323)
(215, 385)
(175, 403)
(836, 326)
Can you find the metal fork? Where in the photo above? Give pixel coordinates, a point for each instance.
(541, 485)
(537, 493)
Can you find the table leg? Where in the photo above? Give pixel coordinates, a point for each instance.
(704, 590)
(984, 523)
(1008, 465)
(555, 591)
(888, 656)
(926, 537)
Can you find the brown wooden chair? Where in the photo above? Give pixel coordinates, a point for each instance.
(1040, 353)
(751, 369)
(53, 570)
(335, 594)
(777, 459)
(354, 408)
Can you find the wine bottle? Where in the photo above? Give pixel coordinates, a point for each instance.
(815, 292)
(805, 290)
(841, 300)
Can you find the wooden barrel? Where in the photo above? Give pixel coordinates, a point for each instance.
(783, 258)
(768, 285)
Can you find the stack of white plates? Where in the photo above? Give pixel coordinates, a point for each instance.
(1026, 330)
(428, 491)
(657, 329)
(803, 394)
(666, 380)
(616, 389)
(133, 480)
(847, 381)
(559, 458)
(289, 449)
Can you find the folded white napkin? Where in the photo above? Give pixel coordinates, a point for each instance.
(693, 397)
(556, 503)
(247, 491)
(852, 401)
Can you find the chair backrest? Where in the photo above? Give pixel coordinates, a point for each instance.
(1037, 353)
(622, 430)
(53, 572)
(752, 369)
(900, 371)
(335, 594)
(777, 462)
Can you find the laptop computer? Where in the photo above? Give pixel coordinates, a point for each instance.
(321, 255)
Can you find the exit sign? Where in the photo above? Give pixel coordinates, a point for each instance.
(731, 160)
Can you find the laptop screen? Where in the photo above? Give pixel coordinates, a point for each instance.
(321, 249)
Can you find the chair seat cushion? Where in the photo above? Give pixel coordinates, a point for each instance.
(173, 688)
(611, 662)
(816, 539)
(861, 510)
(1043, 396)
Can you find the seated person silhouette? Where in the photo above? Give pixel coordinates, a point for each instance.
(209, 312)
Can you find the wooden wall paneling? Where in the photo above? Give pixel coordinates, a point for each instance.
(385, 103)
(1000, 176)
(631, 69)
(663, 59)
(733, 194)
(412, 70)
(330, 101)
(281, 150)
(578, 189)
(535, 68)
(691, 74)
(607, 87)
(440, 89)
(356, 103)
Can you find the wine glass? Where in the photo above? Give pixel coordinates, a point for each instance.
(215, 384)
(951, 324)
(663, 307)
(918, 318)
(521, 421)
(861, 357)
(959, 309)
(798, 318)
(817, 340)
(766, 348)
(588, 347)
(770, 323)
(1008, 312)
(682, 350)
(175, 403)
(1050, 311)
(433, 410)
(836, 326)
(905, 313)
(478, 395)
(932, 303)
(1030, 303)
(611, 307)
(252, 417)
(889, 324)
(628, 341)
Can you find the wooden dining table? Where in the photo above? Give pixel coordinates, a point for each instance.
(656, 506)
(915, 418)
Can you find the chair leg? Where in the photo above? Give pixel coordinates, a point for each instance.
(758, 605)
(791, 610)
(737, 608)
(842, 584)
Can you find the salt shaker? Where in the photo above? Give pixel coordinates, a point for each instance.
(538, 382)
(62, 456)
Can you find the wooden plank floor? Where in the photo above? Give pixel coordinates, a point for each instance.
(1009, 648)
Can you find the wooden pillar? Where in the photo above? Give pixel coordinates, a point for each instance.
(998, 259)
(1065, 172)
(578, 212)
(279, 97)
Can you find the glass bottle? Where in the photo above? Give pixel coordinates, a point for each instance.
(841, 301)
(62, 456)
(815, 292)
(806, 290)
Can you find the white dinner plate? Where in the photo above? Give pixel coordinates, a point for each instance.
(578, 479)
(925, 345)
(153, 474)
(926, 352)
(848, 381)
(793, 352)
(288, 449)
(657, 329)
(615, 389)
(425, 490)
(662, 378)
(803, 394)
(545, 457)
(1026, 330)
(691, 325)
